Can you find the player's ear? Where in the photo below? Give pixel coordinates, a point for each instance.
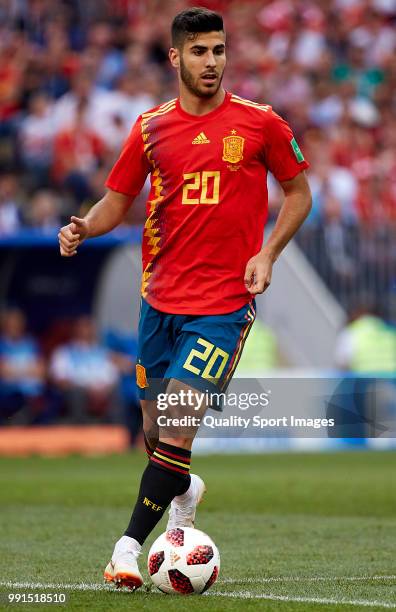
(174, 57)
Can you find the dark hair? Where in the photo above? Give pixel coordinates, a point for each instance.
(193, 21)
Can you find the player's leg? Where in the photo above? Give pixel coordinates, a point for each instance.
(159, 484)
(123, 568)
(166, 478)
(154, 352)
(167, 474)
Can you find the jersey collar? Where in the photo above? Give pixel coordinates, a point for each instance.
(206, 116)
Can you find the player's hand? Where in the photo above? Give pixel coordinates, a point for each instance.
(71, 236)
(258, 272)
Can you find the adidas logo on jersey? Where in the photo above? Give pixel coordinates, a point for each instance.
(201, 139)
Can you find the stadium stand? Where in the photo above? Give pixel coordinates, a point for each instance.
(75, 75)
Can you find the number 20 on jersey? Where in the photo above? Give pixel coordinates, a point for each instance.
(201, 187)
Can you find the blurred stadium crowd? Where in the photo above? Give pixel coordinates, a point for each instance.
(71, 376)
(75, 75)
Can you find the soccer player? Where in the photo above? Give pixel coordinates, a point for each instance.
(208, 153)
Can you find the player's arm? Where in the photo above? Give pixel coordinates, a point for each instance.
(102, 218)
(294, 211)
(124, 182)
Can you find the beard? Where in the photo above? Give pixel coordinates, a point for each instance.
(192, 84)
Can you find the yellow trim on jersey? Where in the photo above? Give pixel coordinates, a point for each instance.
(238, 100)
(161, 107)
(145, 276)
(150, 231)
(160, 111)
(169, 102)
(262, 108)
(235, 97)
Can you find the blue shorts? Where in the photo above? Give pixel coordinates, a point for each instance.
(201, 351)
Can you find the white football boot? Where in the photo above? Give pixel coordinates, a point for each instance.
(123, 569)
(183, 507)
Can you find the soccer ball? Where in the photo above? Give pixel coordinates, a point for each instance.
(183, 560)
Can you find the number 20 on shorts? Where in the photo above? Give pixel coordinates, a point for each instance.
(201, 187)
(211, 355)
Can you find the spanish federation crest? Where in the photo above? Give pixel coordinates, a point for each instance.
(233, 148)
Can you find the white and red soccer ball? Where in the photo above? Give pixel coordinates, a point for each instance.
(184, 561)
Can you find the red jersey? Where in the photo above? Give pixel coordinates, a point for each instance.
(208, 201)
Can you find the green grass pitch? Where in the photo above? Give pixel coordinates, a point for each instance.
(295, 532)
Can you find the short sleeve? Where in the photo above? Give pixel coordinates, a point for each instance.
(131, 169)
(283, 156)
